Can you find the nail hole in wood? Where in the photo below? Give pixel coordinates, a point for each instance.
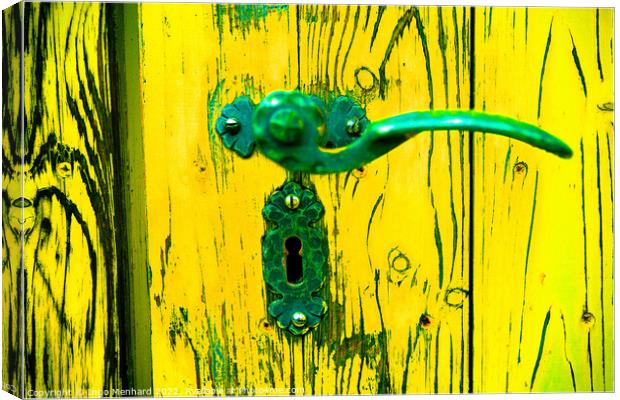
(520, 168)
(587, 318)
(425, 321)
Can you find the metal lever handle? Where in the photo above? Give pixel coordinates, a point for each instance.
(300, 133)
(288, 128)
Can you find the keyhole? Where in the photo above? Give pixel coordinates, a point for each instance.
(294, 269)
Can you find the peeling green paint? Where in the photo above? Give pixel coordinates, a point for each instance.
(243, 17)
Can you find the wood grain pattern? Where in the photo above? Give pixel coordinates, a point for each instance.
(209, 326)
(543, 249)
(398, 284)
(456, 264)
(12, 321)
(69, 266)
(398, 314)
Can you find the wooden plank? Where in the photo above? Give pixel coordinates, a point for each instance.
(398, 237)
(210, 331)
(543, 266)
(12, 320)
(390, 327)
(70, 270)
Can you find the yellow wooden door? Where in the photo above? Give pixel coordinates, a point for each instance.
(412, 234)
(457, 262)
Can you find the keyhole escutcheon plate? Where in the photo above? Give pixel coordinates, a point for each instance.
(295, 257)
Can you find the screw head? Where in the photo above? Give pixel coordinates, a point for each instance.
(299, 319)
(286, 125)
(353, 127)
(232, 125)
(292, 201)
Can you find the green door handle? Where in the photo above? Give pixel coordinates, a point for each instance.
(289, 128)
(302, 134)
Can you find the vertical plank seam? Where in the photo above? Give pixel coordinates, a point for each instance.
(298, 26)
(22, 315)
(472, 103)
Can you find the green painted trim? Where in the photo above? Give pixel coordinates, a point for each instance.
(131, 218)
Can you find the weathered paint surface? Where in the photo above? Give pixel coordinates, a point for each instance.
(69, 311)
(399, 231)
(209, 326)
(456, 263)
(543, 239)
(397, 282)
(396, 228)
